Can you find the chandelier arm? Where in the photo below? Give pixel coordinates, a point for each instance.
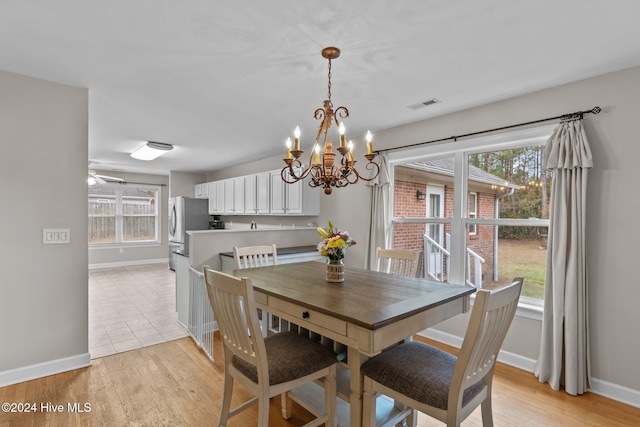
(369, 166)
(343, 112)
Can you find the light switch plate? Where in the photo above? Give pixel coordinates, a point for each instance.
(56, 236)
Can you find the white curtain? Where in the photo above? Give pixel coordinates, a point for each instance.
(380, 199)
(564, 346)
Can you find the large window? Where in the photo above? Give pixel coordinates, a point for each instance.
(485, 218)
(123, 214)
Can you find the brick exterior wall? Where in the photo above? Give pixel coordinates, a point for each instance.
(410, 236)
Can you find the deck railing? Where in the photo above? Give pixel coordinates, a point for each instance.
(437, 262)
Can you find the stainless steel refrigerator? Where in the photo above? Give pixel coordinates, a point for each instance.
(185, 214)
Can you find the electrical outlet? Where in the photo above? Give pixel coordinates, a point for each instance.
(56, 236)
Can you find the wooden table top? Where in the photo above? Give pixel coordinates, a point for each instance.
(366, 298)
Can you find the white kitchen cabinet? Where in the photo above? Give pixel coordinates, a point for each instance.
(234, 196)
(256, 194)
(202, 191)
(293, 199)
(216, 197)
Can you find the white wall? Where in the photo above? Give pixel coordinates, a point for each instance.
(611, 210)
(43, 184)
(127, 255)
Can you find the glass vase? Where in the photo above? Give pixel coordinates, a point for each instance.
(335, 270)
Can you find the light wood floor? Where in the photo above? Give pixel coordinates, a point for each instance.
(174, 384)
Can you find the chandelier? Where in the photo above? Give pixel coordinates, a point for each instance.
(322, 168)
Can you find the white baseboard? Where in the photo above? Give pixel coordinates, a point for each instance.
(39, 370)
(609, 390)
(127, 263)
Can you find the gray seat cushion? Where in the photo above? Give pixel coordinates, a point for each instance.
(419, 371)
(290, 356)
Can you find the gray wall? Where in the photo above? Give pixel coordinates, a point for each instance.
(43, 184)
(612, 205)
(115, 256)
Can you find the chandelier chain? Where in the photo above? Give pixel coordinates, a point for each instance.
(329, 78)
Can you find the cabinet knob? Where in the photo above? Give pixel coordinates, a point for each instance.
(305, 314)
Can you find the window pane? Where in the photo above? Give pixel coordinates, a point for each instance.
(102, 229)
(138, 209)
(518, 251)
(102, 211)
(512, 178)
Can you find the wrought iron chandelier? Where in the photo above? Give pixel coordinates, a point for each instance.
(323, 169)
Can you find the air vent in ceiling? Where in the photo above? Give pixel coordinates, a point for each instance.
(424, 104)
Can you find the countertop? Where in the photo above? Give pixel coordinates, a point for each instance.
(283, 251)
(248, 230)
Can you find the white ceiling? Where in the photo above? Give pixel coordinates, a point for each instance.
(227, 82)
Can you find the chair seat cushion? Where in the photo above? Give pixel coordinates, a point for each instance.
(419, 371)
(290, 356)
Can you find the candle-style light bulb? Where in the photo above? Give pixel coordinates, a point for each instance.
(288, 143)
(317, 154)
(341, 130)
(296, 134)
(369, 137)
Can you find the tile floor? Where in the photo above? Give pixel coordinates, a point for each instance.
(131, 307)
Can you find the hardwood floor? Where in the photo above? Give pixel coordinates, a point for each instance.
(174, 384)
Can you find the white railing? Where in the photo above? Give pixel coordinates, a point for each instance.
(437, 262)
(201, 320)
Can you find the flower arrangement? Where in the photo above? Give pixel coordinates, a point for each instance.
(334, 242)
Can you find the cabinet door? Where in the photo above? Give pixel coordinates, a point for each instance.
(294, 198)
(262, 193)
(216, 197)
(277, 202)
(238, 195)
(211, 190)
(229, 208)
(202, 191)
(250, 200)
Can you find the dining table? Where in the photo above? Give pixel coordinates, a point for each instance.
(366, 313)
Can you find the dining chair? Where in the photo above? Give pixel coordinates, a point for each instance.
(259, 256)
(398, 261)
(267, 366)
(432, 381)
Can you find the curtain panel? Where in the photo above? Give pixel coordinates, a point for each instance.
(564, 357)
(380, 202)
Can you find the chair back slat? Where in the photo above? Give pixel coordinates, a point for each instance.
(236, 315)
(491, 317)
(255, 256)
(399, 262)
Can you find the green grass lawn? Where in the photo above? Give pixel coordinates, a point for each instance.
(523, 258)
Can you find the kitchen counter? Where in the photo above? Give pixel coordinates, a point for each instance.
(282, 251)
(244, 230)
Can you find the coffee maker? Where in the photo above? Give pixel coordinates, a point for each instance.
(217, 223)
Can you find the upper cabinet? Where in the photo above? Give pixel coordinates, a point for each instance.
(293, 199)
(262, 194)
(202, 191)
(216, 197)
(256, 194)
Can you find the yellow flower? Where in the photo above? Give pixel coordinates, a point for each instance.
(336, 243)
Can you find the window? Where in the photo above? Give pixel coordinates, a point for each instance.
(498, 230)
(473, 211)
(123, 214)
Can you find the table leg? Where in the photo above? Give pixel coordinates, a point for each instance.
(355, 360)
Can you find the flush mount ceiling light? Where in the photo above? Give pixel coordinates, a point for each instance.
(323, 172)
(151, 150)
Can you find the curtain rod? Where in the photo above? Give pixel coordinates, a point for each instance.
(137, 183)
(580, 114)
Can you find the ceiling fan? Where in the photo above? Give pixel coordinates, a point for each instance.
(95, 178)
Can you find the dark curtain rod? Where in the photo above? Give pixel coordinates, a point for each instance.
(138, 183)
(577, 114)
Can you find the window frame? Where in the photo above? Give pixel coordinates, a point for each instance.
(120, 216)
(460, 150)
